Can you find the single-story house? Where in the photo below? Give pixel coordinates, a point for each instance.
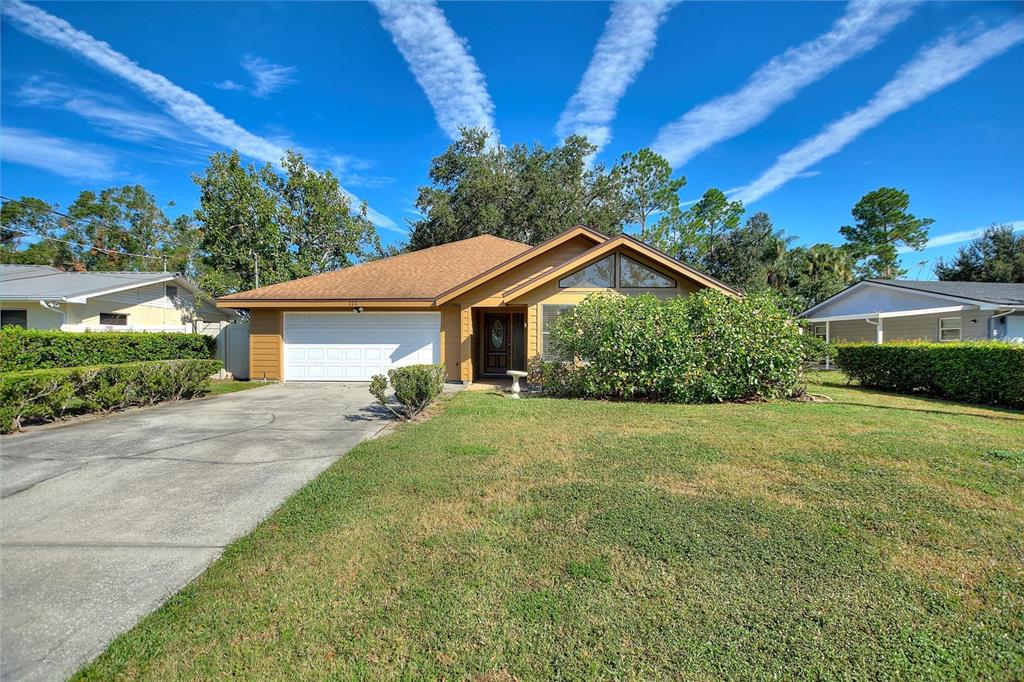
(42, 297)
(481, 306)
(880, 310)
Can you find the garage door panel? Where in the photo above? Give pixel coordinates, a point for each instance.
(354, 347)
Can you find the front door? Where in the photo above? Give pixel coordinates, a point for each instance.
(497, 343)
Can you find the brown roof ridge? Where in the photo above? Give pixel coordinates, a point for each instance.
(482, 276)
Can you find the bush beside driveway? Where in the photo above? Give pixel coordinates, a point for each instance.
(875, 536)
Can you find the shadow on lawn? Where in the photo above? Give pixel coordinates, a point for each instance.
(1005, 413)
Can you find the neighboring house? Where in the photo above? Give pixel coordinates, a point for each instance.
(481, 306)
(41, 297)
(880, 310)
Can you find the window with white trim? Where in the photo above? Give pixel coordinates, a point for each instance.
(949, 328)
(550, 313)
(819, 332)
(115, 319)
(598, 275)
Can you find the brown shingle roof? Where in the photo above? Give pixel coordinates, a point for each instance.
(417, 275)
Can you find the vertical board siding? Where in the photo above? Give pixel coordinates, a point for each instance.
(265, 344)
(451, 342)
(466, 345)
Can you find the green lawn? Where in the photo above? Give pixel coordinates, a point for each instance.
(222, 386)
(876, 536)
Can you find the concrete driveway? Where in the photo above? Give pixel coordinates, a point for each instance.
(102, 520)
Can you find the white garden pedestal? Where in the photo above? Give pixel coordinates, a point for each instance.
(516, 376)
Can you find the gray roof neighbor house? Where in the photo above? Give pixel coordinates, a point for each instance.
(43, 297)
(882, 310)
(43, 282)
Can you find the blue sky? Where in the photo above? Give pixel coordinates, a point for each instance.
(797, 108)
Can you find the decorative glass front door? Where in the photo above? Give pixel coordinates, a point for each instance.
(497, 337)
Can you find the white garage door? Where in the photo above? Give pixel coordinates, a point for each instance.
(355, 346)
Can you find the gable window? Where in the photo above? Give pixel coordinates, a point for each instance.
(634, 275)
(599, 275)
(550, 313)
(171, 291)
(949, 329)
(14, 318)
(115, 319)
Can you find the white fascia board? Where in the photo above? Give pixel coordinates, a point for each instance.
(897, 313)
(83, 298)
(981, 305)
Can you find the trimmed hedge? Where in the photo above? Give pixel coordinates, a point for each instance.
(27, 349)
(702, 348)
(416, 386)
(988, 372)
(43, 395)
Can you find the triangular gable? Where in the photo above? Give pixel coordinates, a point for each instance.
(630, 244)
(519, 259)
(870, 298)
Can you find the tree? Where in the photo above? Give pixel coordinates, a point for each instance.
(29, 229)
(522, 193)
(749, 257)
(693, 234)
(258, 226)
(813, 273)
(118, 228)
(119, 221)
(996, 256)
(321, 229)
(646, 184)
(883, 223)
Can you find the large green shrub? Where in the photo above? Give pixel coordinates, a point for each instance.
(25, 349)
(42, 395)
(988, 372)
(702, 348)
(416, 386)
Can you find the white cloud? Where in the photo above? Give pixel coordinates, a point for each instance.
(108, 113)
(267, 77)
(352, 171)
(624, 48)
(776, 82)
(932, 69)
(961, 236)
(185, 107)
(58, 155)
(229, 85)
(440, 60)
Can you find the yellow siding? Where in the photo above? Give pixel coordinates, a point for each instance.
(466, 345)
(37, 316)
(146, 307)
(265, 344)
(451, 340)
(138, 315)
